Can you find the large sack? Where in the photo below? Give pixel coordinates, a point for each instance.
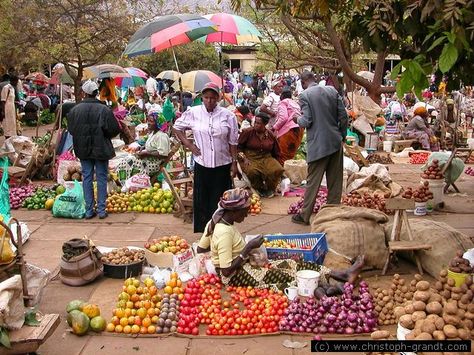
(352, 231)
(373, 179)
(296, 170)
(445, 241)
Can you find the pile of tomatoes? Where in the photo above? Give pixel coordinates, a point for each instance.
(248, 311)
(419, 158)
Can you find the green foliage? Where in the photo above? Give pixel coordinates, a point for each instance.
(4, 338)
(191, 56)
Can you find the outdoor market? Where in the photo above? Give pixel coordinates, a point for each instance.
(237, 208)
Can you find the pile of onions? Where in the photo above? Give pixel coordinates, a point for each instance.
(321, 200)
(348, 314)
(18, 194)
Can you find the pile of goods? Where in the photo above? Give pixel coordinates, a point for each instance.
(281, 243)
(470, 171)
(419, 158)
(255, 204)
(43, 197)
(460, 265)
(203, 304)
(82, 316)
(18, 194)
(118, 202)
(375, 158)
(137, 309)
(151, 200)
(357, 199)
(321, 199)
(174, 286)
(168, 316)
(421, 194)
(173, 244)
(348, 314)
(398, 294)
(123, 256)
(448, 314)
(73, 173)
(42, 141)
(65, 156)
(433, 171)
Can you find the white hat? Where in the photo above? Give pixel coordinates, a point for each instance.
(434, 113)
(89, 87)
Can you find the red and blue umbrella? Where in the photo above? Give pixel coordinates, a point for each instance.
(168, 31)
(232, 29)
(137, 78)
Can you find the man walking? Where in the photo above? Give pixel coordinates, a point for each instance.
(325, 120)
(92, 125)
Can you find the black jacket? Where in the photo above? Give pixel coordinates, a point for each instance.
(92, 125)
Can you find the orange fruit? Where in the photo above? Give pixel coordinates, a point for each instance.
(134, 298)
(146, 322)
(179, 283)
(154, 319)
(129, 304)
(135, 329)
(177, 290)
(127, 329)
(131, 320)
(151, 329)
(110, 327)
(146, 304)
(141, 313)
(171, 283)
(174, 275)
(123, 321)
(143, 330)
(118, 329)
(115, 320)
(120, 312)
(128, 312)
(151, 312)
(168, 290)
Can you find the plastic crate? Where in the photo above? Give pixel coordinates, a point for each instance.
(315, 255)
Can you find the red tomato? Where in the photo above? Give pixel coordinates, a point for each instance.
(195, 331)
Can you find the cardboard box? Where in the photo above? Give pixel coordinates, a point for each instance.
(168, 260)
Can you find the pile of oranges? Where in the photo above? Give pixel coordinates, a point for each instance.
(137, 309)
(174, 286)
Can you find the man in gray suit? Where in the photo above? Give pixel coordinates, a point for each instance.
(325, 119)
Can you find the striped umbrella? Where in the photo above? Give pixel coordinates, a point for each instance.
(38, 78)
(103, 71)
(194, 81)
(169, 75)
(232, 29)
(166, 32)
(137, 78)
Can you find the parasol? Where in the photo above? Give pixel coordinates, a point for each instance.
(232, 29)
(103, 71)
(38, 78)
(137, 78)
(194, 81)
(169, 75)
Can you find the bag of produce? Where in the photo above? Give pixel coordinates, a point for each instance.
(70, 204)
(4, 192)
(137, 182)
(258, 256)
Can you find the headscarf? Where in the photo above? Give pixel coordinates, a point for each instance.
(231, 200)
(420, 111)
(160, 121)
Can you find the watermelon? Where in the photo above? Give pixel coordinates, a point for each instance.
(79, 323)
(70, 315)
(74, 305)
(98, 324)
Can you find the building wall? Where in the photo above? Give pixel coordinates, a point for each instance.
(248, 61)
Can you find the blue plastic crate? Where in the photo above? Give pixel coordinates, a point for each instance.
(315, 255)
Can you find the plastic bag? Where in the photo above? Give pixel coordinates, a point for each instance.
(63, 167)
(6, 252)
(70, 204)
(12, 309)
(137, 182)
(258, 256)
(4, 192)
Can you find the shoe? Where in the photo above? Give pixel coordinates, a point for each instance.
(269, 194)
(299, 220)
(91, 215)
(102, 216)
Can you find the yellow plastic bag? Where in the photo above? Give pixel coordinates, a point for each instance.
(6, 252)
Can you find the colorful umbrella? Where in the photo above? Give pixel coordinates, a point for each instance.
(103, 71)
(232, 29)
(194, 81)
(137, 78)
(38, 77)
(169, 75)
(168, 31)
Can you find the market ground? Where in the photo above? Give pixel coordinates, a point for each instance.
(48, 233)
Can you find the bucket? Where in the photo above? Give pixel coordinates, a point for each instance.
(459, 278)
(437, 188)
(371, 141)
(420, 209)
(307, 281)
(387, 146)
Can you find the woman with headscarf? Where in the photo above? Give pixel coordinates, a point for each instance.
(147, 160)
(288, 133)
(259, 153)
(418, 128)
(230, 253)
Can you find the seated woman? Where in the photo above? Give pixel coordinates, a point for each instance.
(258, 154)
(418, 129)
(288, 133)
(149, 157)
(230, 254)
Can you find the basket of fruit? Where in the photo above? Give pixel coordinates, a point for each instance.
(163, 251)
(310, 247)
(122, 263)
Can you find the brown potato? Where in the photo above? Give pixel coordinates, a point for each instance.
(380, 334)
(468, 324)
(428, 327)
(418, 315)
(450, 331)
(464, 334)
(450, 319)
(423, 286)
(434, 308)
(418, 305)
(443, 273)
(409, 309)
(451, 307)
(439, 335)
(424, 336)
(423, 296)
(440, 323)
(406, 321)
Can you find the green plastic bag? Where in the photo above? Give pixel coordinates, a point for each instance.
(168, 110)
(5, 192)
(70, 204)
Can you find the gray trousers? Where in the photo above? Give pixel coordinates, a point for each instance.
(333, 166)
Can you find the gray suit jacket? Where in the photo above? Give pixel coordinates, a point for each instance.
(325, 119)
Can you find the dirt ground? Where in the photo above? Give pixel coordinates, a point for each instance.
(44, 250)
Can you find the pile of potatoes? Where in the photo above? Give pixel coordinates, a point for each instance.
(386, 300)
(460, 265)
(123, 256)
(432, 316)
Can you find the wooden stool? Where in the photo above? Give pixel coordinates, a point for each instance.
(400, 206)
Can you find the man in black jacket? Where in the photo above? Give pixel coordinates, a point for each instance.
(92, 125)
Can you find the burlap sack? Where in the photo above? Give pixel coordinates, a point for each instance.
(296, 170)
(445, 241)
(352, 231)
